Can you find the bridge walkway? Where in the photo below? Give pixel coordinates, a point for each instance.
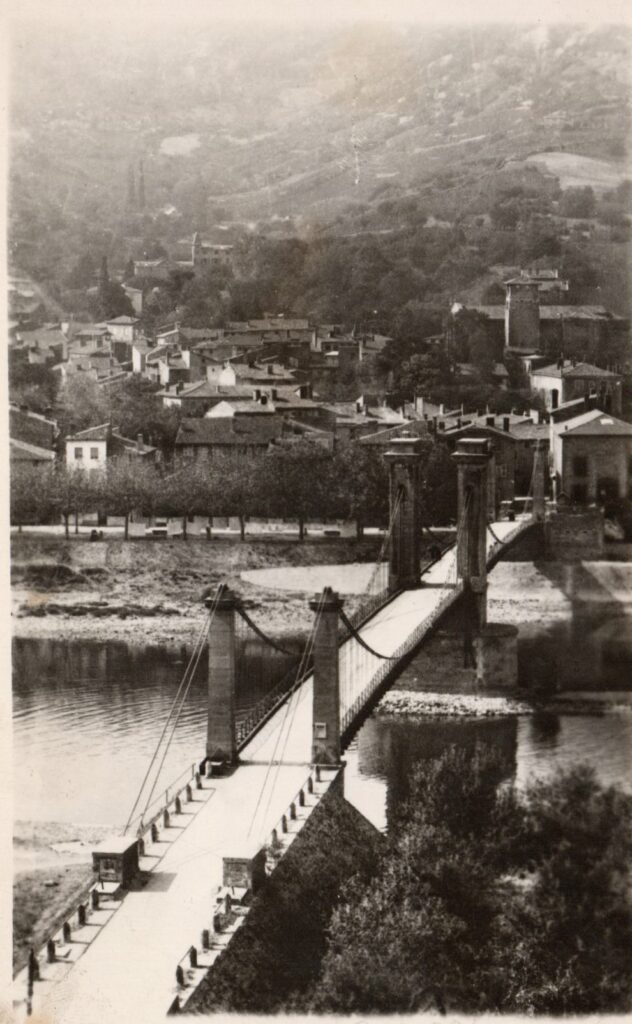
(128, 971)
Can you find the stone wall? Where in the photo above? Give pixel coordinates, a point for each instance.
(574, 536)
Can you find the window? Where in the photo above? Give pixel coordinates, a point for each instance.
(320, 730)
(580, 465)
(94, 453)
(78, 453)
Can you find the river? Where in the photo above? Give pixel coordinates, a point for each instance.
(87, 717)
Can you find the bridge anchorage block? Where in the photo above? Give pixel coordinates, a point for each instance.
(94, 899)
(284, 824)
(67, 931)
(310, 785)
(206, 939)
(178, 805)
(154, 833)
(301, 798)
(198, 781)
(189, 793)
(51, 951)
(141, 846)
(193, 957)
(81, 915)
(180, 976)
(293, 812)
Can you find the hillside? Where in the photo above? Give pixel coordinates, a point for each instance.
(273, 124)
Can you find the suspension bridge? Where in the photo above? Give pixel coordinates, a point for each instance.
(175, 885)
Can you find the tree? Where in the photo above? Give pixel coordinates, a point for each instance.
(141, 186)
(137, 410)
(490, 900)
(129, 485)
(131, 188)
(80, 404)
(578, 202)
(74, 491)
(296, 481)
(428, 375)
(360, 485)
(31, 494)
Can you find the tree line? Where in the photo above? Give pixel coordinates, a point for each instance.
(297, 482)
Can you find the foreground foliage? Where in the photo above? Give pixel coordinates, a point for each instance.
(490, 902)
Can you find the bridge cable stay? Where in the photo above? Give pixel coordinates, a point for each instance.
(183, 682)
(300, 675)
(355, 656)
(201, 648)
(376, 588)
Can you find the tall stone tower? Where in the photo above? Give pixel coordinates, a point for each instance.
(404, 461)
(522, 316)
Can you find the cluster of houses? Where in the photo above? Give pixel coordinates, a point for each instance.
(247, 386)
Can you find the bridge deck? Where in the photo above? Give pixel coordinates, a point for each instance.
(128, 972)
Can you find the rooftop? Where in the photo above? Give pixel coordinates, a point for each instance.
(124, 320)
(578, 370)
(227, 431)
(600, 425)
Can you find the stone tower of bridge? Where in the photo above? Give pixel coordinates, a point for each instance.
(494, 646)
(403, 459)
(221, 742)
(326, 697)
(473, 458)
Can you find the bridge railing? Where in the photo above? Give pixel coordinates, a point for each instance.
(388, 667)
(265, 708)
(145, 819)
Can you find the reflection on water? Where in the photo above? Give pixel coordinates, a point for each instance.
(87, 719)
(88, 716)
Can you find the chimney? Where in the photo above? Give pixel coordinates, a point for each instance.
(419, 405)
(458, 421)
(506, 422)
(273, 394)
(256, 394)
(270, 369)
(139, 443)
(441, 409)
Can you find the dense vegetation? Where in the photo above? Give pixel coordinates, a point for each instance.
(298, 481)
(489, 900)
(482, 899)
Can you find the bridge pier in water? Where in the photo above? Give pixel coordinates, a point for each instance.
(493, 647)
(404, 464)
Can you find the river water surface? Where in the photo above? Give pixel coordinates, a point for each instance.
(87, 717)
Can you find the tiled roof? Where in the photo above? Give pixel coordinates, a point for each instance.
(602, 425)
(22, 451)
(239, 431)
(104, 432)
(124, 320)
(579, 370)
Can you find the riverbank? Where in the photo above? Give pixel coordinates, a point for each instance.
(151, 592)
(52, 867)
(479, 705)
